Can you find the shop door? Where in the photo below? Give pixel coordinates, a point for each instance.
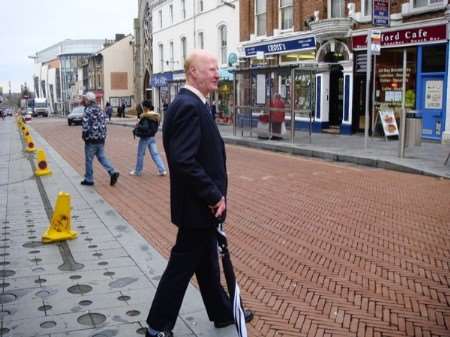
(432, 106)
(336, 95)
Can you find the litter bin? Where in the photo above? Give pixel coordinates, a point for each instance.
(413, 129)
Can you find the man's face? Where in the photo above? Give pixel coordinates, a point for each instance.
(205, 74)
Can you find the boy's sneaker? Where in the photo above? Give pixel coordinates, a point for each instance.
(87, 183)
(162, 174)
(134, 173)
(114, 178)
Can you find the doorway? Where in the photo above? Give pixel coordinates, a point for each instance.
(336, 95)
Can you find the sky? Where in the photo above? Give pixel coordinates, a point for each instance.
(28, 26)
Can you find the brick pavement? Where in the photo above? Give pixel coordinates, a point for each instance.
(320, 249)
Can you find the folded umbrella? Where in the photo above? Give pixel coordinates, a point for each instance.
(230, 278)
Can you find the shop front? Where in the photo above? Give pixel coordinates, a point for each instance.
(160, 84)
(426, 48)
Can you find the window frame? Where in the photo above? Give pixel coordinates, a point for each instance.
(364, 9)
(172, 54)
(330, 9)
(263, 14)
(201, 39)
(280, 15)
(160, 18)
(183, 48)
(183, 9)
(161, 56)
(223, 47)
(171, 13)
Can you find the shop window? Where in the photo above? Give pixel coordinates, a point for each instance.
(286, 14)
(389, 78)
(336, 8)
(433, 59)
(260, 17)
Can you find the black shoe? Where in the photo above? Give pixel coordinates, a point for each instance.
(165, 333)
(114, 178)
(87, 183)
(248, 317)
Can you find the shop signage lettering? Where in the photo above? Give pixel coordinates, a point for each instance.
(405, 37)
(280, 47)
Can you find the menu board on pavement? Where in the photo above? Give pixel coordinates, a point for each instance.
(389, 123)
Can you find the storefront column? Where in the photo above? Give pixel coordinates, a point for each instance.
(446, 131)
(322, 101)
(346, 125)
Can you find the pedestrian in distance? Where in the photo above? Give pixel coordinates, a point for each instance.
(108, 110)
(123, 109)
(145, 130)
(94, 136)
(198, 187)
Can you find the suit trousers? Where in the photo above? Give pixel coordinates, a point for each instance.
(194, 252)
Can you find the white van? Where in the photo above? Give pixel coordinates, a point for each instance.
(40, 107)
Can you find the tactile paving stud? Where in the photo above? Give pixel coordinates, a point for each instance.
(7, 298)
(79, 289)
(7, 273)
(48, 324)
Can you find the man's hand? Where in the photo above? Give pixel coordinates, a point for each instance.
(218, 208)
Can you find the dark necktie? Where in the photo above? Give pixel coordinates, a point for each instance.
(208, 108)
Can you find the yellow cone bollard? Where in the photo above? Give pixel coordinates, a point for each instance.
(60, 228)
(42, 166)
(25, 132)
(29, 143)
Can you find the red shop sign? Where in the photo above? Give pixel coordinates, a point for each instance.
(405, 37)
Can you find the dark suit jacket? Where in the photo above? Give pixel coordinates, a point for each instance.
(196, 156)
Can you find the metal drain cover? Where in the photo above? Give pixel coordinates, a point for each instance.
(92, 319)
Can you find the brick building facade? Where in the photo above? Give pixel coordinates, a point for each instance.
(281, 38)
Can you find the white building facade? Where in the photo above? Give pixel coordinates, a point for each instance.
(180, 26)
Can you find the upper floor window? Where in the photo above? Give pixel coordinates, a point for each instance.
(423, 3)
(183, 49)
(223, 44)
(160, 18)
(172, 60)
(336, 8)
(260, 17)
(161, 57)
(367, 7)
(286, 14)
(201, 40)
(200, 6)
(171, 13)
(183, 9)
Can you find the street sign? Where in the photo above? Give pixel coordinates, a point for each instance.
(375, 42)
(381, 12)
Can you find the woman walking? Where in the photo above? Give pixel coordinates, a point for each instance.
(146, 129)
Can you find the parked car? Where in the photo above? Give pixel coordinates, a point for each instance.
(76, 115)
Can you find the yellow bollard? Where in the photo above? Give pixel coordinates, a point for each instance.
(25, 132)
(42, 166)
(60, 228)
(29, 143)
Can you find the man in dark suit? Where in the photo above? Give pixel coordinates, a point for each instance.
(198, 187)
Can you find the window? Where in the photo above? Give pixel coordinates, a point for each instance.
(260, 17)
(172, 61)
(337, 8)
(183, 49)
(286, 14)
(161, 57)
(183, 9)
(223, 44)
(367, 7)
(200, 6)
(171, 13)
(433, 59)
(201, 40)
(160, 18)
(423, 3)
